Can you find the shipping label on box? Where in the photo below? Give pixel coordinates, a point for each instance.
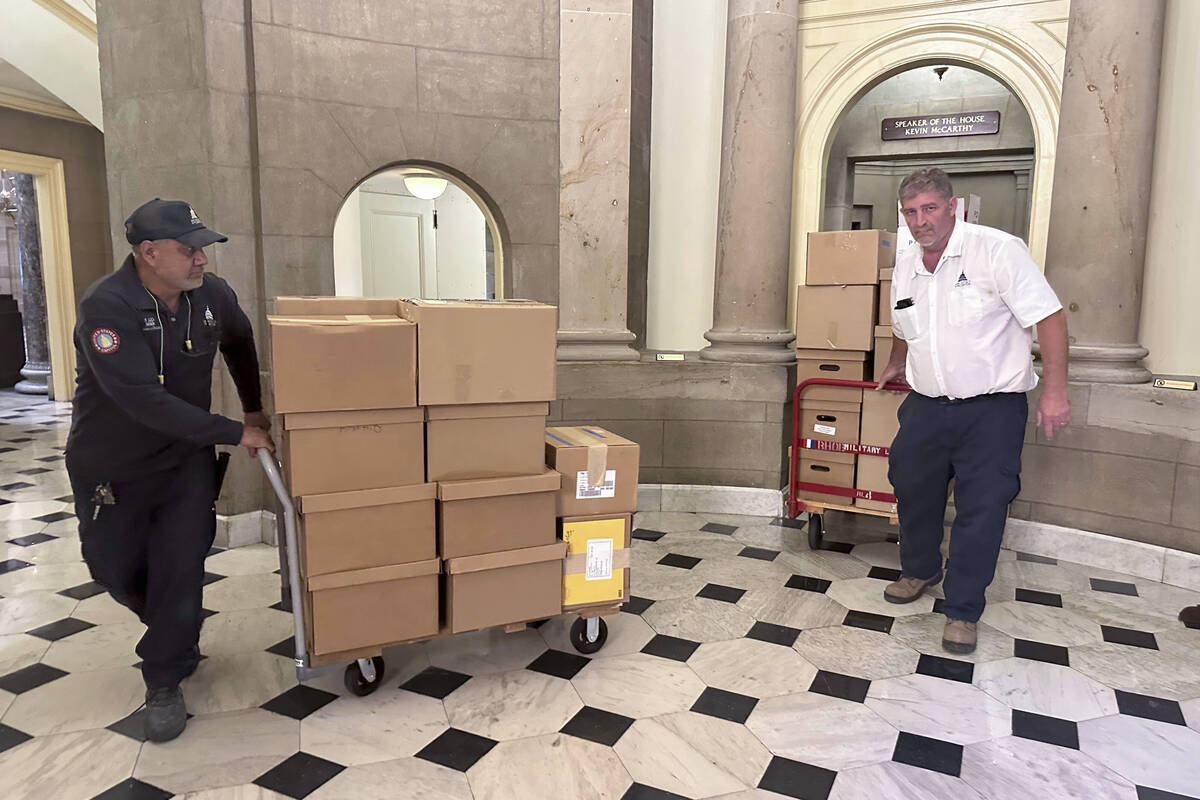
(596, 568)
(606, 489)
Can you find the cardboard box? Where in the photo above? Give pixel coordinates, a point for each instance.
(372, 607)
(373, 528)
(494, 514)
(831, 421)
(879, 427)
(596, 569)
(484, 441)
(829, 469)
(848, 257)
(883, 349)
(969, 208)
(835, 317)
(871, 473)
(502, 588)
(904, 237)
(879, 424)
(484, 351)
(345, 451)
(599, 468)
(885, 297)
(334, 306)
(842, 365)
(352, 362)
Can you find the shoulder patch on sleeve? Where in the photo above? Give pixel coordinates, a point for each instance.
(105, 341)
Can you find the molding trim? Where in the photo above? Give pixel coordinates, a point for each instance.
(51, 186)
(71, 16)
(710, 499)
(952, 164)
(240, 530)
(1149, 561)
(19, 101)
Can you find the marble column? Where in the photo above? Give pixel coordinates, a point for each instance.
(1021, 209)
(594, 101)
(1096, 247)
(754, 205)
(36, 372)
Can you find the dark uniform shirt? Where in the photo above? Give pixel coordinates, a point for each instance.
(126, 422)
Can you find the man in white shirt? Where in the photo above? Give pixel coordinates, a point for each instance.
(964, 303)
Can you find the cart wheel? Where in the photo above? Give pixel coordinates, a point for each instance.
(356, 682)
(579, 635)
(816, 534)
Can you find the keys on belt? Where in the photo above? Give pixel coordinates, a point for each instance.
(102, 496)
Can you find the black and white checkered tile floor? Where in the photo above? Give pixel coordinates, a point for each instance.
(746, 666)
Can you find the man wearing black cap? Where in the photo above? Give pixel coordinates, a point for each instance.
(140, 453)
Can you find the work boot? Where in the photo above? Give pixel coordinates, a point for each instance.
(908, 589)
(959, 636)
(166, 715)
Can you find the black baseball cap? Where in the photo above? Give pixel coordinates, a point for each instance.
(169, 219)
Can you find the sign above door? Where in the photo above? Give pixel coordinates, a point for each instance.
(970, 123)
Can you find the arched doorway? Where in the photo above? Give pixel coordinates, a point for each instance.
(826, 92)
(880, 139)
(417, 230)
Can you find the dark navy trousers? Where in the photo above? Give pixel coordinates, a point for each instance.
(977, 443)
(148, 550)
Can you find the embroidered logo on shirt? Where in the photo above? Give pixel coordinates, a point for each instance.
(149, 323)
(963, 280)
(209, 319)
(105, 341)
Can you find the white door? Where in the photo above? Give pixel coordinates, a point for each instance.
(398, 246)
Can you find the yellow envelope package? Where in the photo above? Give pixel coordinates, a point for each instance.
(596, 568)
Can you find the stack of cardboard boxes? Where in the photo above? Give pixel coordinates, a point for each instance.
(595, 512)
(412, 440)
(353, 449)
(843, 331)
(485, 379)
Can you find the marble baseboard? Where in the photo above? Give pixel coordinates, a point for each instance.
(1149, 561)
(649, 497)
(710, 499)
(1182, 569)
(239, 530)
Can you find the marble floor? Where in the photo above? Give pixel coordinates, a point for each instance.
(745, 667)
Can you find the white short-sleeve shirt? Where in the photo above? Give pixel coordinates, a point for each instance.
(969, 327)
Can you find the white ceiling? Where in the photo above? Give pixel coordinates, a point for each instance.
(14, 81)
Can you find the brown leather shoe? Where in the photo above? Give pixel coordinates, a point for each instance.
(908, 589)
(959, 636)
(1190, 616)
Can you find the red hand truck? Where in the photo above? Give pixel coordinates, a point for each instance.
(797, 488)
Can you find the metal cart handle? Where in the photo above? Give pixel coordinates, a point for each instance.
(272, 468)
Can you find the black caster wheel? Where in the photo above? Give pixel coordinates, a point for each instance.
(356, 682)
(579, 637)
(816, 533)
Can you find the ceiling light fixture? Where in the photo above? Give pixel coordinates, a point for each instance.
(426, 187)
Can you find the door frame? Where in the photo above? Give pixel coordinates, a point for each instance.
(50, 185)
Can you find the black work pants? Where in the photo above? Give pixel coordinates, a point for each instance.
(148, 551)
(977, 442)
